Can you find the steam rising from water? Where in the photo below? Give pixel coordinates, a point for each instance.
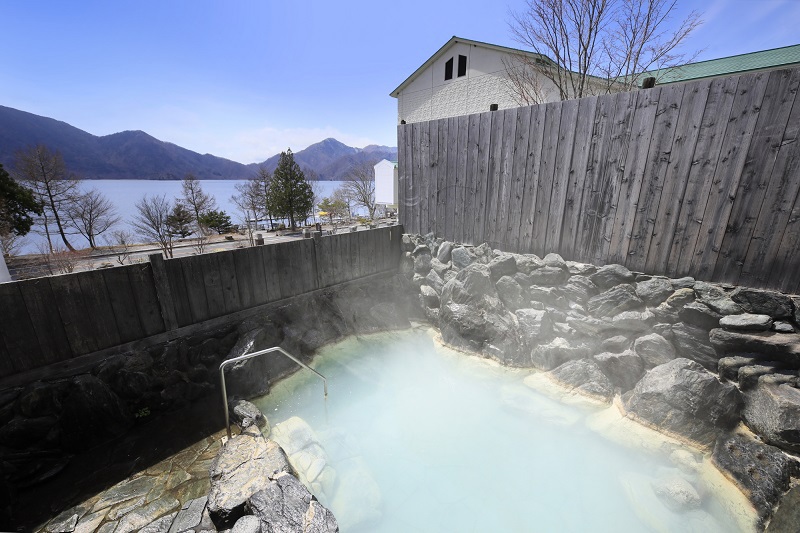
(422, 438)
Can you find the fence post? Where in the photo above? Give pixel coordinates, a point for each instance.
(163, 291)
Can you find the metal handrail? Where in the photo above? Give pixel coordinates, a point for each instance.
(250, 356)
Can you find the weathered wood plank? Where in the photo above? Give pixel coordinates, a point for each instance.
(585, 245)
(677, 174)
(433, 183)
(612, 174)
(765, 263)
(706, 155)
(561, 175)
(482, 177)
(499, 239)
(495, 164)
(658, 158)
(522, 131)
(180, 296)
(577, 176)
(47, 322)
(143, 287)
(471, 200)
(245, 267)
(628, 185)
(323, 258)
(724, 183)
(123, 303)
(402, 172)
(416, 176)
(450, 183)
(286, 262)
(441, 178)
(69, 299)
(228, 281)
(18, 334)
(193, 278)
(212, 282)
(424, 177)
(460, 179)
(779, 97)
(531, 185)
(99, 312)
(163, 290)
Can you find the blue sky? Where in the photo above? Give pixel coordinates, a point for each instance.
(246, 79)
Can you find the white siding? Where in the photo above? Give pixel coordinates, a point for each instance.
(385, 183)
(429, 96)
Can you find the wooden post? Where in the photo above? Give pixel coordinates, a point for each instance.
(163, 291)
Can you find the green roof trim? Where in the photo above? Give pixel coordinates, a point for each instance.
(777, 57)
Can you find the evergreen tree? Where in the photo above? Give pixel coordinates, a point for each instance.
(289, 195)
(17, 203)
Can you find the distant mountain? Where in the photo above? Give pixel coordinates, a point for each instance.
(137, 155)
(332, 160)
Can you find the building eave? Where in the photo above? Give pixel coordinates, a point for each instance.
(455, 39)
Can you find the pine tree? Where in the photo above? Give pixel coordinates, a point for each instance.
(290, 195)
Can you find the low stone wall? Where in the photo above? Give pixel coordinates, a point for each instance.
(43, 424)
(713, 364)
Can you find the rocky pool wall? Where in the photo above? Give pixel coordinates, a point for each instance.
(46, 423)
(713, 364)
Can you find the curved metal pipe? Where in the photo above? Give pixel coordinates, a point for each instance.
(250, 356)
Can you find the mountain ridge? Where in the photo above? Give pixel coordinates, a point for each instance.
(135, 154)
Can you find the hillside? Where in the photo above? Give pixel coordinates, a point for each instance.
(137, 155)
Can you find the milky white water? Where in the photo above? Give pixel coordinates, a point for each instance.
(416, 437)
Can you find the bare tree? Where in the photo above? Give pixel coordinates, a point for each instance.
(151, 221)
(523, 80)
(587, 47)
(249, 200)
(11, 243)
(361, 187)
(92, 214)
(120, 242)
(264, 179)
(46, 175)
(197, 200)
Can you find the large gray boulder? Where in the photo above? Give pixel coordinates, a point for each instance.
(654, 350)
(557, 352)
(461, 258)
(763, 302)
(614, 301)
(610, 275)
(511, 293)
(534, 326)
(762, 471)
(683, 398)
(692, 342)
(443, 253)
(768, 344)
(787, 516)
(244, 466)
(586, 377)
(624, 369)
(472, 316)
(700, 315)
(285, 506)
(579, 289)
(654, 291)
(91, 413)
(503, 265)
(549, 275)
(773, 411)
(746, 322)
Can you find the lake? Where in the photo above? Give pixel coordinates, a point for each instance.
(125, 193)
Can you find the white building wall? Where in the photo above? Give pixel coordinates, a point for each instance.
(429, 96)
(385, 183)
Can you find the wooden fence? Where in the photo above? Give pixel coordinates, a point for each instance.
(53, 319)
(697, 179)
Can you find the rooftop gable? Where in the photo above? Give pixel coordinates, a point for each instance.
(453, 40)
